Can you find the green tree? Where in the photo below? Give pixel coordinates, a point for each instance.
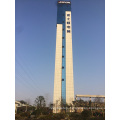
(23, 102)
(40, 102)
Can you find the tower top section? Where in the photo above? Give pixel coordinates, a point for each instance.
(64, 2)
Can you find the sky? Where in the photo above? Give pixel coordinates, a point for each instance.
(35, 42)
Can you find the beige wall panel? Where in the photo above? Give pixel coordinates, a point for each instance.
(58, 65)
(69, 61)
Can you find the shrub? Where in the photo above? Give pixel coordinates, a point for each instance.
(75, 116)
(59, 116)
(41, 111)
(98, 113)
(86, 114)
(17, 116)
(97, 118)
(25, 114)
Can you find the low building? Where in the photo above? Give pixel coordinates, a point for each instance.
(19, 104)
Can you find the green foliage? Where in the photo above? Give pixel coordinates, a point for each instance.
(59, 116)
(97, 118)
(21, 109)
(23, 102)
(25, 114)
(17, 116)
(41, 111)
(86, 114)
(40, 102)
(22, 116)
(75, 116)
(30, 109)
(98, 113)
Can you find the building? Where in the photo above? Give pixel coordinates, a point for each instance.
(63, 79)
(19, 104)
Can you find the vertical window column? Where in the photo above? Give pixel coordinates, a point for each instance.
(63, 63)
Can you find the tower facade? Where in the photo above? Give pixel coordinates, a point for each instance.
(63, 79)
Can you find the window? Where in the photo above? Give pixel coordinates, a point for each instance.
(68, 18)
(68, 31)
(62, 56)
(68, 14)
(63, 29)
(62, 37)
(62, 79)
(63, 21)
(68, 26)
(68, 22)
(62, 46)
(62, 67)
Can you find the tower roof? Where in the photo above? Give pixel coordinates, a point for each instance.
(64, 2)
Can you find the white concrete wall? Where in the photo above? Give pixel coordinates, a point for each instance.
(58, 67)
(69, 61)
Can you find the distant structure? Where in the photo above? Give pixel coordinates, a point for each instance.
(63, 79)
(19, 104)
(90, 96)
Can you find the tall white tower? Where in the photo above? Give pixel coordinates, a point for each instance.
(63, 80)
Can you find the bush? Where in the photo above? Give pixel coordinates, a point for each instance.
(75, 116)
(86, 114)
(25, 114)
(17, 116)
(57, 116)
(21, 109)
(97, 118)
(98, 113)
(41, 111)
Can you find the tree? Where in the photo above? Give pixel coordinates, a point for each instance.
(51, 105)
(23, 102)
(40, 102)
(63, 105)
(98, 100)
